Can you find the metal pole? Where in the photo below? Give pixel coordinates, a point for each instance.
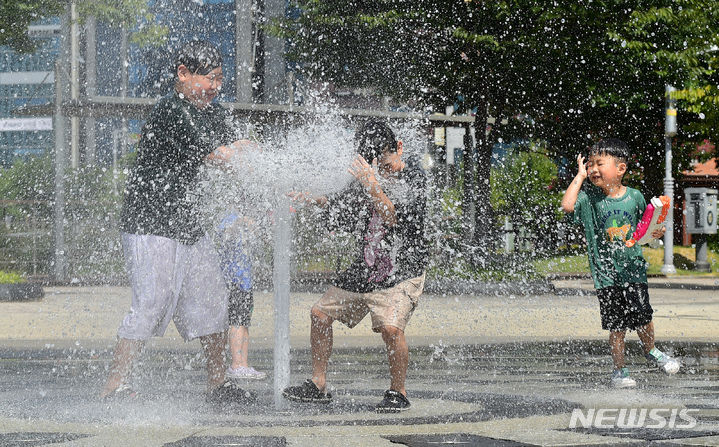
(701, 264)
(74, 85)
(468, 205)
(123, 88)
(244, 50)
(59, 267)
(90, 88)
(281, 282)
(275, 66)
(670, 129)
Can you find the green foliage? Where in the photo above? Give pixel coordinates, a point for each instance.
(11, 278)
(524, 191)
(31, 183)
(25, 237)
(578, 71)
(91, 209)
(133, 15)
(524, 185)
(16, 16)
(28, 179)
(713, 242)
(678, 40)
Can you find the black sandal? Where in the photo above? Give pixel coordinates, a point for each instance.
(229, 392)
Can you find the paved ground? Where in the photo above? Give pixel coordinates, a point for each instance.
(486, 370)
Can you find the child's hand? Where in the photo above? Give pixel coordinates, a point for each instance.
(303, 196)
(244, 145)
(658, 234)
(364, 172)
(582, 167)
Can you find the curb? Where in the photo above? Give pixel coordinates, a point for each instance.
(684, 286)
(449, 286)
(27, 291)
(459, 287)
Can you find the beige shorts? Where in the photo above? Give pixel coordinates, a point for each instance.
(388, 307)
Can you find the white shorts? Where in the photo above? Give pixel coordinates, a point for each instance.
(173, 281)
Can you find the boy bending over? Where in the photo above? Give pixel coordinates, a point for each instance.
(387, 275)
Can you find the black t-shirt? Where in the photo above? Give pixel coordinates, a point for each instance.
(175, 141)
(385, 255)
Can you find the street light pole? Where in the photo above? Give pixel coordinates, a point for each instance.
(670, 129)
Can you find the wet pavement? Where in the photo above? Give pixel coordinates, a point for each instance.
(486, 370)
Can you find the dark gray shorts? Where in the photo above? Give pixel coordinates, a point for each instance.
(625, 308)
(240, 307)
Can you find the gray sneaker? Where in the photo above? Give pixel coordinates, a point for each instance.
(244, 372)
(621, 379)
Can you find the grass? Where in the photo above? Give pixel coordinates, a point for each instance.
(562, 264)
(11, 278)
(684, 258)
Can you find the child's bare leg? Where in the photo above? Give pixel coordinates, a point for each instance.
(239, 339)
(616, 342)
(646, 335)
(398, 356)
(321, 341)
(214, 347)
(126, 351)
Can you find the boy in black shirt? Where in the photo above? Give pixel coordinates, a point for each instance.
(173, 266)
(387, 275)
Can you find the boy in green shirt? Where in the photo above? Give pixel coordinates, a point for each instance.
(610, 213)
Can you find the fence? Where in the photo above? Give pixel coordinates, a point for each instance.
(25, 237)
(86, 241)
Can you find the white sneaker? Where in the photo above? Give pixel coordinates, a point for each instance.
(244, 372)
(665, 362)
(621, 379)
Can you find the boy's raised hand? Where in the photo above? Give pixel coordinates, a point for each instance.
(582, 166)
(572, 192)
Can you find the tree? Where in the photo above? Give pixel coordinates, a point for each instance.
(16, 17)
(680, 42)
(566, 72)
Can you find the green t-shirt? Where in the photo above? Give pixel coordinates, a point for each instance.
(608, 223)
(175, 141)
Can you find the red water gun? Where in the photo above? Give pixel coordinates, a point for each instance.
(652, 220)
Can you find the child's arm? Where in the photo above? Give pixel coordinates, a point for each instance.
(363, 172)
(300, 196)
(570, 196)
(223, 154)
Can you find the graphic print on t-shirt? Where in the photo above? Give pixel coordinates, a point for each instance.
(375, 250)
(617, 224)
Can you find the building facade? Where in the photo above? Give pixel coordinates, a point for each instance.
(110, 66)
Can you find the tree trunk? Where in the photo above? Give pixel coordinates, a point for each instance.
(468, 175)
(484, 215)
